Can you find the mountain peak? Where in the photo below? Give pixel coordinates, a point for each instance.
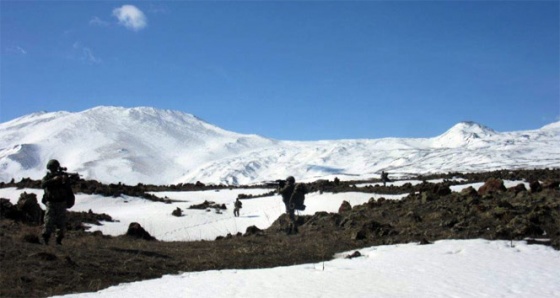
(472, 127)
(108, 143)
(463, 133)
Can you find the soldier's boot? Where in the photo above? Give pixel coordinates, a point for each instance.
(288, 230)
(45, 239)
(292, 229)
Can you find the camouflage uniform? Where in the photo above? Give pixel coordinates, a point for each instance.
(56, 193)
(286, 192)
(55, 217)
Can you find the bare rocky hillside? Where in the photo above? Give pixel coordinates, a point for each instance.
(92, 261)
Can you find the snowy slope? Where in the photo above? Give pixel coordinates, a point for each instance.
(447, 268)
(117, 144)
(146, 145)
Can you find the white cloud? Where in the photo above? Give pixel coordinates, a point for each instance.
(131, 17)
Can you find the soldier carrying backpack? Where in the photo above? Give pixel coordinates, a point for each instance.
(58, 196)
(293, 196)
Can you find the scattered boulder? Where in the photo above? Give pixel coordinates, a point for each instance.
(30, 210)
(135, 230)
(27, 209)
(469, 192)
(8, 210)
(492, 185)
(344, 207)
(177, 212)
(372, 228)
(436, 189)
(360, 234)
(253, 230)
(442, 189)
(427, 197)
(518, 188)
(550, 184)
(535, 186)
(424, 241)
(414, 216)
(354, 255)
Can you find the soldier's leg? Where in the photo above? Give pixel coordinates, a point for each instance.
(49, 226)
(287, 207)
(60, 222)
(294, 223)
(292, 226)
(60, 233)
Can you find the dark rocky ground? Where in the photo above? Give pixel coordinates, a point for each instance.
(92, 261)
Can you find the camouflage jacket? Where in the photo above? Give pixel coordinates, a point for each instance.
(55, 189)
(286, 192)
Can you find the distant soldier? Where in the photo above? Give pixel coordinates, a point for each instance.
(237, 205)
(384, 177)
(58, 194)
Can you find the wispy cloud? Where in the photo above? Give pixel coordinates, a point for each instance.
(96, 21)
(155, 9)
(131, 17)
(85, 54)
(16, 50)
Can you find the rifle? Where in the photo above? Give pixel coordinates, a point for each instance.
(70, 177)
(276, 183)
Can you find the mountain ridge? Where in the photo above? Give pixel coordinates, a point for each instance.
(149, 145)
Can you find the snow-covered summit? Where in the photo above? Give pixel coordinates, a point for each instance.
(113, 144)
(552, 126)
(463, 133)
(148, 145)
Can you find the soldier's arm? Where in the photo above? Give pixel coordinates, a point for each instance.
(49, 181)
(282, 190)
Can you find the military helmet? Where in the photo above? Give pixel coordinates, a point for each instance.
(291, 179)
(53, 165)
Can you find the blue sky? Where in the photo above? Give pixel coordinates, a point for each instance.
(291, 70)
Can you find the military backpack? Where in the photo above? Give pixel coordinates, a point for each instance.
(298, 197)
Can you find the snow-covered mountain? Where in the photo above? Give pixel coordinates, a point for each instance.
(464, 133)
(147, 145)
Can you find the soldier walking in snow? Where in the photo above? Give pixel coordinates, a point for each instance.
(384, 177)
(237, 205)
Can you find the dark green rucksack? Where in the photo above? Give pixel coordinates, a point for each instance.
(298, 197)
